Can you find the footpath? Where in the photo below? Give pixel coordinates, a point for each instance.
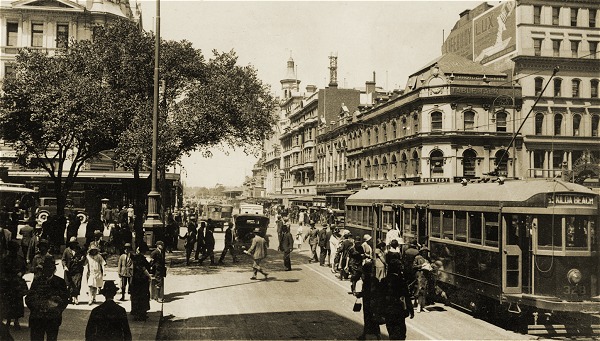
(75, 317)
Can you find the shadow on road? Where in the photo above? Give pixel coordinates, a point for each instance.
(289, 325)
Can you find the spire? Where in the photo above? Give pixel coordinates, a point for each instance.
(290, 82)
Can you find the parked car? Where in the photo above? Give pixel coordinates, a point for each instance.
(47, 207)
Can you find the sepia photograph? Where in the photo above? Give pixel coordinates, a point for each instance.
(299, 170)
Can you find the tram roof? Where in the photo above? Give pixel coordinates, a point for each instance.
(510, 191)
(14, 188)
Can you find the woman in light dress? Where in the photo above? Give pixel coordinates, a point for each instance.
(299, 237)
(94, 267)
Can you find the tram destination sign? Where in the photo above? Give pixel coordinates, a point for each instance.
(570, 199)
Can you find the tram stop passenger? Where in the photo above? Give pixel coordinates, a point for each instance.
(397, 303)
(423, 273)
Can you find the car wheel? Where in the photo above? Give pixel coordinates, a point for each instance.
(83, 218)
(42, 217)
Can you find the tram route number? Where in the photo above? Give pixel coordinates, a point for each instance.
(574, 290)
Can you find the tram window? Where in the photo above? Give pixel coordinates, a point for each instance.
(577, 232)
(413, 222)
(491, 229)
(461, 226)
(447, 225)
(387, 220)
(406, 221)
(549, 230)
(436, 223)
(370, 216)
(475, 228)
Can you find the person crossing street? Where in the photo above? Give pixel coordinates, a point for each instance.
(229, 242)
(258, 251)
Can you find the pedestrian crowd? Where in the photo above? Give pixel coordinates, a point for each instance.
(49, 295)
(396, 278)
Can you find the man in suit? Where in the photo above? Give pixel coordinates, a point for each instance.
(287, 245)
(229, 244)
(125, 269)
(159, 270)
(108, 321)
(47, 299)
(258, 251)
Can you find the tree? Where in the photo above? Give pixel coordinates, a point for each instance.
(57, 113)
(60, 111)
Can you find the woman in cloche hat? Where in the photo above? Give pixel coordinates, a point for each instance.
(94, 267)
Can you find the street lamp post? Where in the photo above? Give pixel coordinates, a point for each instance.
(153, 224)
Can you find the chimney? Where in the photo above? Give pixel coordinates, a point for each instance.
(311, 89)
(370, 89)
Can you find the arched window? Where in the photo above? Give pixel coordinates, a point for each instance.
(501, 162)
(403, 164)
(575, 88)
(436, 163)
(376, 134)
(539, 84)
(436, 121)
(415, 161)
(595, 122)
(501, 121)
(394, 169)
(576, 124)
(368, 137)
(359, 169)
(469, 162)
(539, 123)
(558, 124)
(368, 169)
(469, 120)
(376, 169)
(594, 88)
(384, 168)
(394, 130)
(384, 129)
(416, 123)
(557, 87)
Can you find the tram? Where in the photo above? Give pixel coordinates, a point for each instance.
(525, 248)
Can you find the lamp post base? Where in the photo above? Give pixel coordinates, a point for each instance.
(153, 225)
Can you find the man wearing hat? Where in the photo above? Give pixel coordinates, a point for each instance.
(72, 262)
(125, 269)
(159, 270)
(324, 236)
(258, 251)
(42, 251)
(108, 321)
(47, 299)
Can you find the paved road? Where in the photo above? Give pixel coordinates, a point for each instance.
(221, 302)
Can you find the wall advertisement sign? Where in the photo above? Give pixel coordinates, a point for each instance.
(495, 32)
(487, 37)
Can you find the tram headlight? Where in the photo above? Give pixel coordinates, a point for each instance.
(574, 276)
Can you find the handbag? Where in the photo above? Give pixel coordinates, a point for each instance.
(357, 305)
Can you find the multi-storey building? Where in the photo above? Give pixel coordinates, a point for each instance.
(50, 25)
(446, 125)
(475, 110)
(528, 39)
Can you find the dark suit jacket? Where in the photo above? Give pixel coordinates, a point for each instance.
(108, 321)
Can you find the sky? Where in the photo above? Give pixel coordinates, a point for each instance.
(391, 38)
